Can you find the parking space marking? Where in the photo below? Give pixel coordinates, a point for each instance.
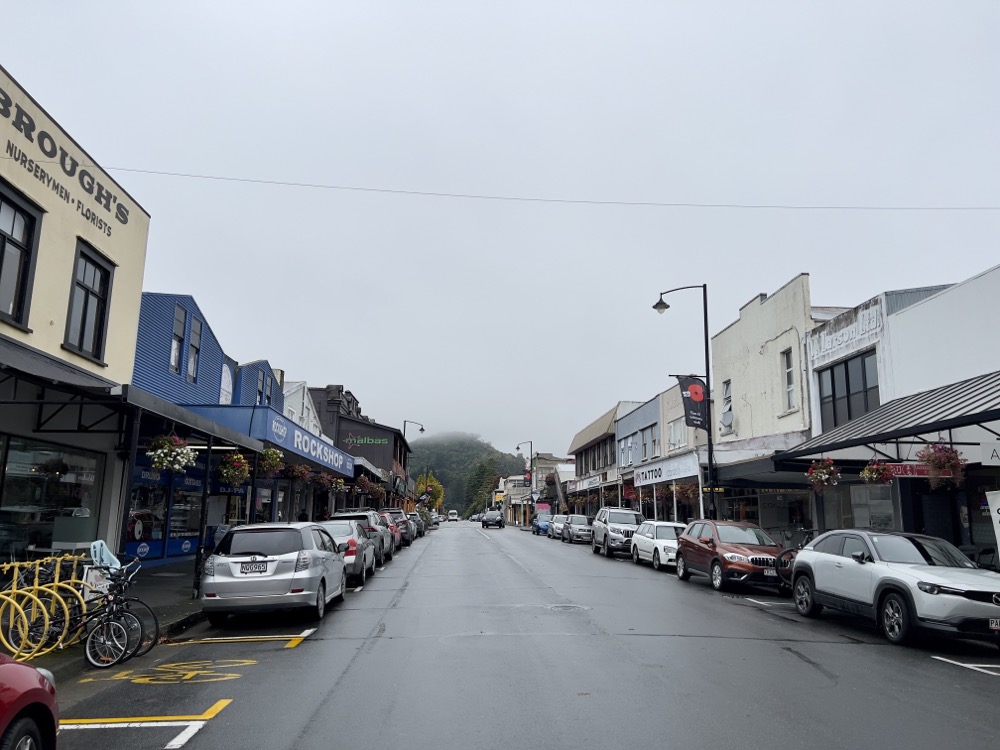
(483, 534)
(192, 724)
(974, 667)
(756, 601)
(293, 640)
(178, 673)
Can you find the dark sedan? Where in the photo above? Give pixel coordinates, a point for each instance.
(493, 518)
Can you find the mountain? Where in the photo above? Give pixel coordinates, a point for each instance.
(465, 465)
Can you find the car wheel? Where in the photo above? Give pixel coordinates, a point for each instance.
(363, 575)
(656, 560)
(390, 553)
(718, 579)
(372, 571)
(593, 546)
(217, 619)
(894, 616)
(635, 554)
(343, 587)
(805, 602)
(680, 568)
(607, 549)
(381, 555)
(23, 734)
(319, 608)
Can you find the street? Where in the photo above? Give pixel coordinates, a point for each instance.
(495, 638)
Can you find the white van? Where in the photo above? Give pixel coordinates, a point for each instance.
(452, 515)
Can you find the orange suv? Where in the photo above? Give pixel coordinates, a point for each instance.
(727, 552)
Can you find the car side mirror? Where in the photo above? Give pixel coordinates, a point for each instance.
(859, 557)
(705, 539)
(343, 547)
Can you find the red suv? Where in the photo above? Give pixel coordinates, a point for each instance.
(727, 552)
(29, 711)
(397, 533)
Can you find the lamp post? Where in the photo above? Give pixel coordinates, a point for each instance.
(410, 421)
(531, 470)
(661, 307)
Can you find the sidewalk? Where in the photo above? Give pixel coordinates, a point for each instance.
(166, 589)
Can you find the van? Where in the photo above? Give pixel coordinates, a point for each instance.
(452, 515)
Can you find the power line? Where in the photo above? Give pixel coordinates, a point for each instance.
(536, 199)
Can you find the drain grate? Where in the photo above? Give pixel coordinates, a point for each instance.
(566, 607)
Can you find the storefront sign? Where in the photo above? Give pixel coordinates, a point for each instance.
(291, 437)
(590, 483)
(571, 486)
(849, 332)
(915, 470)
(991, 453)
(667, 469)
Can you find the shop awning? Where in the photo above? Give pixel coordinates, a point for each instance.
(45, 370)
(966, 413)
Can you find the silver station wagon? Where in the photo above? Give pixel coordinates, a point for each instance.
(272, 566)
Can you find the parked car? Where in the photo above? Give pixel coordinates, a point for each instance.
(408, 529)
(555, 526)
(576, 528)
(272, 566)
(903, 582)
(727, 552)
(29, 709)
(493, 518)
(435, 519)
(356, 546)
(656, 541)
(397, 533)
(377, 528)
(613, 529)
(421, 528)
(540, 523)
(452, 515)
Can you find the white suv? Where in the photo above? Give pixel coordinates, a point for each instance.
(901, 581)
(613, 530)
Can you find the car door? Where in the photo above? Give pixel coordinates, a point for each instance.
(824, 565)
(851, 579)
(600, 527)
(694, 550)
(641, 540)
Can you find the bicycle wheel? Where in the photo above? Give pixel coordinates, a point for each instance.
(107, 644)
(150, 624)
(783, 564)
(25, 621)
(12, 617)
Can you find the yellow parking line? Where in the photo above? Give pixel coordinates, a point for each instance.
(209, 714)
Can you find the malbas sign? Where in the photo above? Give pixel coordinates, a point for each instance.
(46, 158)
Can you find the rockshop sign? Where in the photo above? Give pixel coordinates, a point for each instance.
(290, 437)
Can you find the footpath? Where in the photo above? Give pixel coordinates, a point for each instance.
(166, 589)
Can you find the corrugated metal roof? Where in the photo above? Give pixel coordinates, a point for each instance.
(967, 402)
(601, 427)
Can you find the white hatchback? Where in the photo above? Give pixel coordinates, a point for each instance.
(656, 542)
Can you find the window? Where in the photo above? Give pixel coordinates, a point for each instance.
(853, 544)
(848, 389)
(88, 305)
(786, 362)
(17, 231)
(194, 349)
(678, 434)
(260, 387)
(177, 342)
(267, 392)
(726, 416)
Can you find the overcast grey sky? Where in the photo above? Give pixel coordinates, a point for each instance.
(524, 320)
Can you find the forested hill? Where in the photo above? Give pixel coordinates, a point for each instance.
(465, 465)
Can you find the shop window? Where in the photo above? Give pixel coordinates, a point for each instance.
(787, 365)
(17, 242)
(177, 340)
(678, 434)
(88, 307)
(848, 389)
(194, 350)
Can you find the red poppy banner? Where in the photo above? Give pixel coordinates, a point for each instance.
(695, 398)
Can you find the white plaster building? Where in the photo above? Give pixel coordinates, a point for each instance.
(300, 407)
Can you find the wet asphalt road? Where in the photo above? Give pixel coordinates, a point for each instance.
(496, 638)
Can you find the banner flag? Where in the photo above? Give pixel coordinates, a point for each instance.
(695, 398)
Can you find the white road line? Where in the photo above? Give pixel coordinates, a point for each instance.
(973, 667)
(191, 728)
(306, 633)
(181, 739)
(359, 588)
(763, 604)
(483, 534)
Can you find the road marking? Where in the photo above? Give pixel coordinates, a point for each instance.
(178, 673)
(755, 601)
(300, 637)
(293, 640)
(359, 588)
(973, 667)
(192, 724)
(482, 533)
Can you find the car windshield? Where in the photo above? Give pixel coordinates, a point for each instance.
(667, 532)
(577, 520)
(558, 519)
(339, 529)
(492, 513)
(744, 535)
(915, 551)
(543, 516)
(264, 542)
(618, 516)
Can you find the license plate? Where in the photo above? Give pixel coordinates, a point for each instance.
(254, 567)
(995, 623)
(768, 572)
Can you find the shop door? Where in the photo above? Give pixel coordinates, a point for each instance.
(939, 517)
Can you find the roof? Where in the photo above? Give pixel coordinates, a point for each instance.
(601, 427)
(963, 413)
(47, 369)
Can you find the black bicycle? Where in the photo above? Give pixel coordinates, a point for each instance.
(793, 541)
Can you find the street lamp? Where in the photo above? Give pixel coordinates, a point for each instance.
(410, 421)
(531, 470)
(661, 307)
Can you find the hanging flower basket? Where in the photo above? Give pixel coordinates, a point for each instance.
(822, 474)
(327, 481)
(234, 469)
(298, 472)
(171, 453)
(269, 462)
(945, 464)
(687, 492)
(877, 472)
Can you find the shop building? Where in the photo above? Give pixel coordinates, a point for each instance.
(72, 256)
(595, 456)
